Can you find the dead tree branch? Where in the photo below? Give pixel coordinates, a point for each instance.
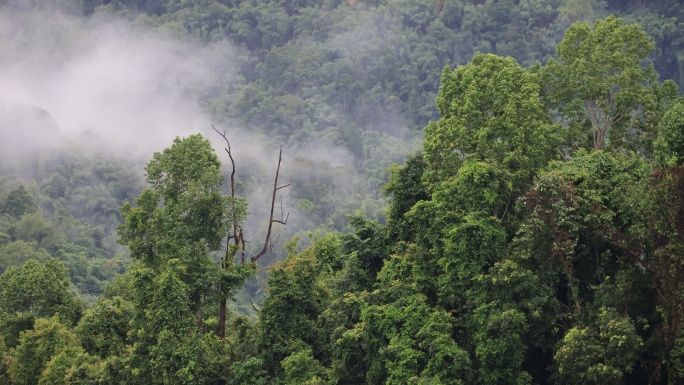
(236, 237)
(254, 307)
(282, 221)
(274, 243)
(270, 219)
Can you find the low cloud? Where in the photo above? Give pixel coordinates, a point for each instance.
(133, 88)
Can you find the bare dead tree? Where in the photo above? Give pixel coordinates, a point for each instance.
(237, 236)
(271, 220)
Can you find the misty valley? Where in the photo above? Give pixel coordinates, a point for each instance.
(341, 192)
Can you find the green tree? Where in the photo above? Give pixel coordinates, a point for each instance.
(103, 329)
(597, 77)
(18, 203)
(167, 347)
(479, 158)
(660, 202)
(344, 341)
(19, 252)
(36, 228)
(178, 221)
(72, 365)
(288, 316)
(580, 213)
(405, 189)
(492, 113)
(602, 353)
(670, 143)
(301, 368)
(409, 341)
(181, 216)
(36, 348)
(513, 308)
(41, 290)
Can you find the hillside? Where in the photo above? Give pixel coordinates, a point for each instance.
(485, 192)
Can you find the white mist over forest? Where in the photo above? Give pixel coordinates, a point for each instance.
(134, 89)
(128, 89)
(535, 237)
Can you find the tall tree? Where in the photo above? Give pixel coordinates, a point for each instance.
(177, 222)
(182, 215)
(598, 76)
(491, 113)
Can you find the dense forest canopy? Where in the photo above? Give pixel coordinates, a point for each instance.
(469, 192)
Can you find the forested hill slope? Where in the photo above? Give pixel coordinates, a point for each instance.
(533, 234)
(360, 78)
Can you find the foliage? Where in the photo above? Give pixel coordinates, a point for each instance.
(598, 76)
(600, 354)
(181, 217)
(670, 145)
(104, 328)
(491, 113)
(41, 290)
(302, 368)
(287, 318)
(535, 239)
(36, 348)
(18, 203)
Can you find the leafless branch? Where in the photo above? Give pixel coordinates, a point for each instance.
(282, 222)
(253, 307)
(242, 242)
(274, 242)
(237, 237)
(237, 233)
(506, 210)
(270, 219)
(232, 182)
(617, 149)
(617, 117)
(564, 154)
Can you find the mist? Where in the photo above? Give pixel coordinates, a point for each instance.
(127, 89)
(135, 90)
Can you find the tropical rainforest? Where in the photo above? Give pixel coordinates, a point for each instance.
(364, 192)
